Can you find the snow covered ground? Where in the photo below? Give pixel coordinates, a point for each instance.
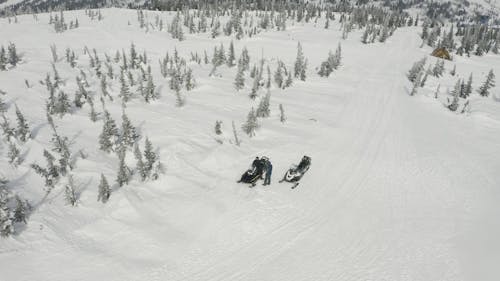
(400, 188)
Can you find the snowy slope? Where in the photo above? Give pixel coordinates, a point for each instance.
(399, 189)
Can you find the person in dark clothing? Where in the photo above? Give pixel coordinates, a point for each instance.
(256, 162)
(306, 161)
(269, 171)
(260, 166)
(256, 168)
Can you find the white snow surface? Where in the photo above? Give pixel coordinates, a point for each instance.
(400, 188)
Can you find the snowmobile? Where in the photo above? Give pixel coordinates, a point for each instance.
(253, 174)
(295, 173)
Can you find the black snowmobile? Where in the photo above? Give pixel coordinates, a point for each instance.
(255, 173)
(295, 173)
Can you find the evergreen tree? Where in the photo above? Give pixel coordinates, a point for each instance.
(245, 59)
(124, 61)
(107, 138)
(22, 210)
(384, 33)
(57, 78)
(239, 82)
(495, 49)
(124, 89)
(254, 71)
(438, 69)
(6, 215)
(189, 80)
(110, 72)
(218, 129)
(458, 89)
(278, 74)
(149, 92)
(3, 59)
(231, 57)
(289, 80)
(299, 62)
(141, 168)
(215, 58)
(216, 29)
(70, 193)
(13, 57)
(239, 33)
(61, 146)
(14, 155)
(251, 124)
(479, 50)
(123, 176)
(104, 191)
(104, 88)
(72, 59)
(130, 78)
(328, 66)
(488, 84)
(129, 134)
(453, 106)
(336, 60)
(303, 71)
(8, 131)
(133, 56)
(22, 132)
(221, 55)
(50, 173)
(52, 168)
(366, 33)
(205, 57)
(255, 86)
(448, 40)
(468, 87)
(416, 69)
(62, 105)
(79, 95)
(150, 157)
(3, 106)
(263, 109)
(268, 81)
(141, 89)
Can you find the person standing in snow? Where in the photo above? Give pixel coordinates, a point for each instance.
(269, 171)
(256, 162)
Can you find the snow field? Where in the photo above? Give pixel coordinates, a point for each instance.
(399, 188)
